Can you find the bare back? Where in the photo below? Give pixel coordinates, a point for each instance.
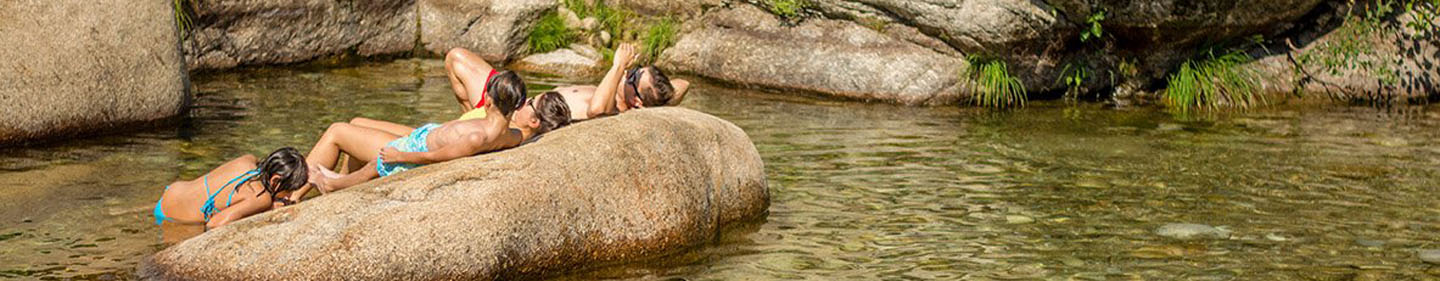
(491, 131)
(183, 200)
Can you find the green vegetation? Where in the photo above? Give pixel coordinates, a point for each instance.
(184, 9)
(873, 23)
(787, 9)
(1351, 50)
(661, 34)
(549, 34)
(1073, 76)
(1423, 14)
(992, 86)
(1212, 83)
(1095, 30)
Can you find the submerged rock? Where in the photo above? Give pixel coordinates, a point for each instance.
(633, 186)
(1192, 231)
(1428, 255)
(75, 67)
(235, 33)
(750, 47)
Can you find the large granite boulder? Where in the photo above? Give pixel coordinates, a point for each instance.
(1402, 66)
(638, 185)
(494, 29)
(749, 47)
(231, 33)
(72, 67)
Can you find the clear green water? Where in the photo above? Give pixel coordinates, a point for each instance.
(1050, 192)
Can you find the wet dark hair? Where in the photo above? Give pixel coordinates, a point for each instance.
(552, 111)
(507, 91)
(662, 90)
(287, 163)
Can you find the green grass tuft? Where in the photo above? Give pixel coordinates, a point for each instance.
(549, 34)
(660, 35)
(788, 9)
(1213, 83)
(992, 85)
(615, 21)
(577, 6)
(183, 16)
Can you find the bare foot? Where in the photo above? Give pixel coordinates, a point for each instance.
(322, 179)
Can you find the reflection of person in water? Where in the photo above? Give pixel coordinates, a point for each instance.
(248, 188)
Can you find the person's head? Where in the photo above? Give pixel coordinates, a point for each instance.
(645, 86)
(283, 171)
(542, 114)
(506, 91)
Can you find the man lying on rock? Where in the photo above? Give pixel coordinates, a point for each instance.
(624, 88)
(501, 119)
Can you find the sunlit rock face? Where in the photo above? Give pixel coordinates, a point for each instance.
(638, 185)
(76, 67)
(750, 47)
(227, 34)
(494, 29)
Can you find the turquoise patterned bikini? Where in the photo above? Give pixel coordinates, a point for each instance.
(209, 208)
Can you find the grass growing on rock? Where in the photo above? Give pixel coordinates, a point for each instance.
(661, 34)
(1213, 83)
(549, 34)
(992, 85)
(184, 17)
(788, 9)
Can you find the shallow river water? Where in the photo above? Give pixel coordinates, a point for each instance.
(1055, 191)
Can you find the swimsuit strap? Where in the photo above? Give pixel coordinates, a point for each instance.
(209, 208)
(485, 88)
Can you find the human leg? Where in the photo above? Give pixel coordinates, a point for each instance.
(387, 126)
(468, 74)
(360, 142)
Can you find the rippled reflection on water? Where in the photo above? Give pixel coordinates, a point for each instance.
(1051, 192)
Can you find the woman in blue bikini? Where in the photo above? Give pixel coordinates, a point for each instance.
(235, 190)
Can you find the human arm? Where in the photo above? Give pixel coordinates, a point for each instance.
(239, 211)
(603, 100)
(470, 144)
(680, 86)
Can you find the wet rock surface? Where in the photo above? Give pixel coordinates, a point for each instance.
(234, 33)
(73, 67)
(633, 186)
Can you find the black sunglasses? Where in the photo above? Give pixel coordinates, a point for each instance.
(632, 82)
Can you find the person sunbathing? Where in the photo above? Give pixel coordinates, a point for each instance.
(251, 188)
(381, 146)
(623, 88)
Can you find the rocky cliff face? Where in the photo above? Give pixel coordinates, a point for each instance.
(73, 67)
(902, 51)
(232, 33)
(633, 186)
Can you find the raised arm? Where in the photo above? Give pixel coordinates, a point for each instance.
(236, 212)
(680, 86)
(603, 100)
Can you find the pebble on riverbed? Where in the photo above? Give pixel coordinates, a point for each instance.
(1192, 231)
(1428, 255)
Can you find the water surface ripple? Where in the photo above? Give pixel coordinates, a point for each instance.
(1051, 192)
